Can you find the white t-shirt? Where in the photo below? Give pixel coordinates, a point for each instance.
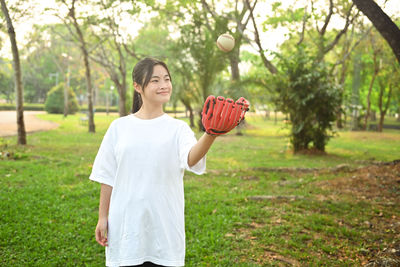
(144, 162)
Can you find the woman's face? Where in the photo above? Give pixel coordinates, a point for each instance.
(159, 89)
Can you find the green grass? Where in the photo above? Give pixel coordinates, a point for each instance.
(48, 206)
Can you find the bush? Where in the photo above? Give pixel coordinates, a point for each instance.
(55, 100)
(307, 94)
(84, 108)
(27, 106)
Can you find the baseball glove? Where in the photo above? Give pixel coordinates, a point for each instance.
(221, 115)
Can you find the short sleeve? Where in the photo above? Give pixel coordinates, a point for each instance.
(187, 140)
(105, 165)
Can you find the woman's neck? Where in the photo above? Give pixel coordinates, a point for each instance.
(148, 113)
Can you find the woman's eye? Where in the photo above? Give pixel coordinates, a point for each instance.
(154, 81)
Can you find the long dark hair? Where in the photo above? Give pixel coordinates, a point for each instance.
(141, 74)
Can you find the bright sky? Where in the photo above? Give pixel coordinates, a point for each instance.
(270, 39)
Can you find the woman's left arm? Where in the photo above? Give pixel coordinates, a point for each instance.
(200, 149)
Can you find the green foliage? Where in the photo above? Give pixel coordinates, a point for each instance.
(311, 99)
(46, 61)
(27, 106)
(153, 40)
(6, 81)
(55, 100)
(258, 81)
(200, 44)
(198, 34)
(285, 17)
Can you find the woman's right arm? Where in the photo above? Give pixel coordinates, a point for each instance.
(102, 224)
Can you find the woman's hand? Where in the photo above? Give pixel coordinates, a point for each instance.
(102, 224)
(101, 232)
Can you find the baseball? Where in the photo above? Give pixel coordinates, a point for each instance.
(225, 42)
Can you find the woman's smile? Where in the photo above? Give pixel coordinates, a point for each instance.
(163, 93)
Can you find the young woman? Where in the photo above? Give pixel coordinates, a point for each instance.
(140, 165)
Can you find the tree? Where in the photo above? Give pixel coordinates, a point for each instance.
(197, 43)
(258, 84)
(343, 60)
(154, 39)
(388, 84)
(184, 85)
(314, 24)
(355, 91)
(17, 75)
(382, 22)
(208, 61)
(374, 74)
(76, 31)
(376, 63)
(267, 63)
(326, 42)
(239, 17)
(46, 61)
(111, 52)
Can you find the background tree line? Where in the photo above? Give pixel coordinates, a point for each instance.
(333, 63)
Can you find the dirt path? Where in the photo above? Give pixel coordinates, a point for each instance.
(8, 123)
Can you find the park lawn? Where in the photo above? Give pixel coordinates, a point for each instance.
(49, 207)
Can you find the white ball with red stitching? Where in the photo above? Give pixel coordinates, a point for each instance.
(225, 42)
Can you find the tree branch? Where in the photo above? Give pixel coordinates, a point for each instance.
(304, 25)
(327, 19)
(312, 12)
(212, 12)
(266, 62)
(251, 11)
(382, 22)
(343, 31)
(341, 61)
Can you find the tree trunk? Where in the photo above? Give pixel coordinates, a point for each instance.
(267, 114)
(122, 98)
(235, 78)
(122, 92)
(373, 115)
(234, 60)
(382, 22)
(200, 123)
(376, 71)
(339, 121)
(85, 54)
(355, 98)
(121, 87)
(268, 64)
(191, 114)
(66, 89)
(383, 110)
(19, 103)
(92, 128)
(398, 114)
(381, 120)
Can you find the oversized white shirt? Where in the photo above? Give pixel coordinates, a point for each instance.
(144, 162)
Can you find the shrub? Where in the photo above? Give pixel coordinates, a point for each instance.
(307, 94)
(27, 106)
(55, 100)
